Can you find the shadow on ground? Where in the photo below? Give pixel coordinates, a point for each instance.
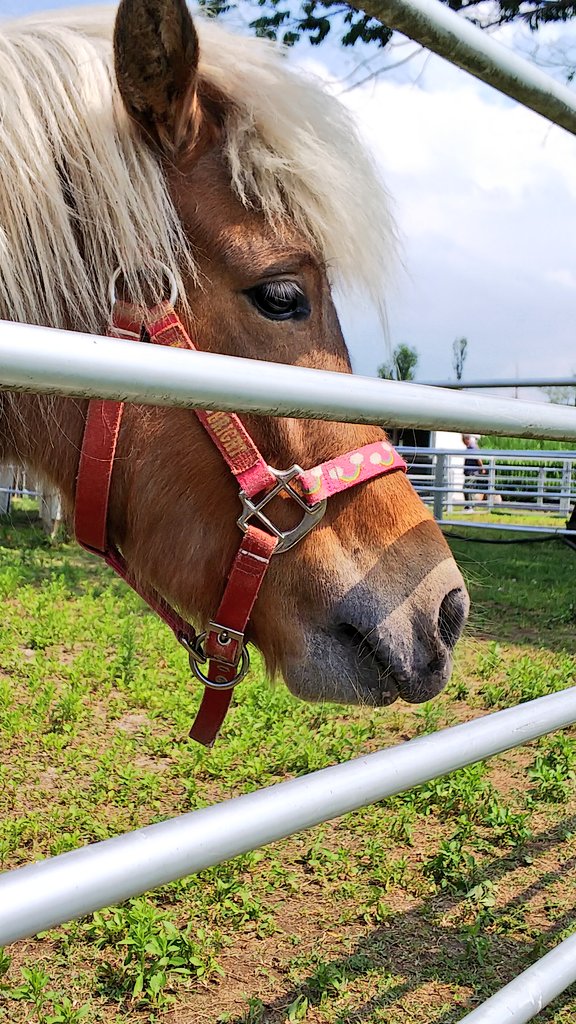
(425, 952)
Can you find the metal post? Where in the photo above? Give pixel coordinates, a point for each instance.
(542, 478)
(6, 483)
(439, 482)
(566, 488)
(50, 892)
(532, 990)
(85, 366)
(491, 481)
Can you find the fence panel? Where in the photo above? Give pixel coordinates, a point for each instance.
(53, 891)
(14, 483)
(515, 481)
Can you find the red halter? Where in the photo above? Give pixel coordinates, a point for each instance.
(222, 644)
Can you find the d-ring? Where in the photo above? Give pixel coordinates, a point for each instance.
(220, 683)
(160, 266)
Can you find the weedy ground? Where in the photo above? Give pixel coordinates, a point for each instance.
(415, 909)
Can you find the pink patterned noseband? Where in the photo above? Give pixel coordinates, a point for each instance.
(222, 645)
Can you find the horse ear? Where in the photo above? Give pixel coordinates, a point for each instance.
(156, 61)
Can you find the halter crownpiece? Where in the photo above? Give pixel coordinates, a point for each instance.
(222, 645)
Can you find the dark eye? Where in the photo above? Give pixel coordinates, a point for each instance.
(279, 300)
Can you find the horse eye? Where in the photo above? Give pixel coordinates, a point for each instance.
(279, 300)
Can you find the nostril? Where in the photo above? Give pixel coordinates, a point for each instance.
(452, 616)
(365, 645)
(351, 637)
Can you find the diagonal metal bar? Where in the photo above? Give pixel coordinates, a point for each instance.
(50, 892)
(531, 991)
(452, 36)
(40, 359)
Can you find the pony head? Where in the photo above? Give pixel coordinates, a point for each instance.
(158, 139)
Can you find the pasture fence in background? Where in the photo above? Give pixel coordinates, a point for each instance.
(515, 481)
(58, 889)
(15, 483)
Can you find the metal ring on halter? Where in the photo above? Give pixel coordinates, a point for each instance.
(156, 263)
(196, 656)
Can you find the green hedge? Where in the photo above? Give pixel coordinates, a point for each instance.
(520, 443)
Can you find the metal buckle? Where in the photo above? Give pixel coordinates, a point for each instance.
(286, 538)
(197, 657)
(225, 636)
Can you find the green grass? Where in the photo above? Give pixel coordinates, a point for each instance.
(522, 443)
(510, 517)
(413, 909)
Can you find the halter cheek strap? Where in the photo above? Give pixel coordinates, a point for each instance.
(222, 645)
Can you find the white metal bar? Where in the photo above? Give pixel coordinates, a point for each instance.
(532, 990)
(6, 488)
(524, 488)
(502, 382)
(502, 454)
(16, 492)
(44, 360)
(50, 892)
(517, 528)
(439, 489)
(453, 37)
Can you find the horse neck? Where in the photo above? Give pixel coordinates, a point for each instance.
(43, 433)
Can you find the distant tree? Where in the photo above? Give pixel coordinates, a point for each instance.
(403, 365)
(561, 395)
(459, 353)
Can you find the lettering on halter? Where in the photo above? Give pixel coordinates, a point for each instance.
(227, 433)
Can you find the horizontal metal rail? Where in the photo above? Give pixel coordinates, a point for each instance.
(507, 527)
(40, 359)
(515, 494)
(532, 990)
(502, 382)
(51, 892)
(453, 37)
(19, 492)
(525, 454)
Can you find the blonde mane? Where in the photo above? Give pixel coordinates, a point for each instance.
(80, 193)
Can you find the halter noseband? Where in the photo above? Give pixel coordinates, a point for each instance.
(222, 645)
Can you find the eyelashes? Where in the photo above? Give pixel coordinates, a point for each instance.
(279, 300)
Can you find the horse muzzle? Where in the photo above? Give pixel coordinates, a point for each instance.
(408, 652)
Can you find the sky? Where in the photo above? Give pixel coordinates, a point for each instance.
(484, 195)
(485, 200)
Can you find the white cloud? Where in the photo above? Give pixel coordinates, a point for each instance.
(564, 277)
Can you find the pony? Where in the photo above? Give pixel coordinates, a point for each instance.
(147, 137)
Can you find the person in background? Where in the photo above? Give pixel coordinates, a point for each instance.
(473, 468)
